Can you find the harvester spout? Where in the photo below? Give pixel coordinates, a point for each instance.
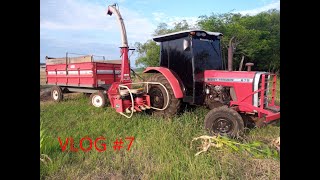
(112, 9)
(125, 67)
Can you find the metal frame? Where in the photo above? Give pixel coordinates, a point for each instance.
(82, 90)
(261, 110)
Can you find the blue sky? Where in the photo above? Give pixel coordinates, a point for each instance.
(82, 26)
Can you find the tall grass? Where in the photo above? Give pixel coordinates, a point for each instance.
(161, 149)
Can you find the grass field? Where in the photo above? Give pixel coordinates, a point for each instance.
(161, 149)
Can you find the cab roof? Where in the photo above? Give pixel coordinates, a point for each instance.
(180, 34)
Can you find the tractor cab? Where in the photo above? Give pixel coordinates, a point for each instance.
(188, 54)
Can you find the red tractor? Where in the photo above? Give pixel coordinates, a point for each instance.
(191, 71)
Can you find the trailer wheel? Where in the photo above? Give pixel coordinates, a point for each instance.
(98, 99)
(158, 97)
(224, 121)
(56, 93)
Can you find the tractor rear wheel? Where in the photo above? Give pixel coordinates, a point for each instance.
(56, 94)
(224, 121)
(158, 97)
(98, 99)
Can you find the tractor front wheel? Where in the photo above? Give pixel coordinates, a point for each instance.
(224, 121)
(158, 97)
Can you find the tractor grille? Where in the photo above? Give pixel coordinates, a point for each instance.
(266, 92)
(257, 85)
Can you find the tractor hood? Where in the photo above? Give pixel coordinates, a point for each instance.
(214, 76)
(243, 83)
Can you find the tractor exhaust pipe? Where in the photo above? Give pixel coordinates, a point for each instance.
(230, 54)
(249, 66)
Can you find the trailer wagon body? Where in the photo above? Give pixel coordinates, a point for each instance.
(82, 72)
(86, 74)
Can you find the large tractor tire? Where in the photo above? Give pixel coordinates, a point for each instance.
(98, 99)
(158, 97)
(56, 94)
(224, 121)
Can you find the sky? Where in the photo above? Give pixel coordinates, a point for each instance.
(83, 27)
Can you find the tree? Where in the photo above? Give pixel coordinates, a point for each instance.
(257, 37)
(148, 53)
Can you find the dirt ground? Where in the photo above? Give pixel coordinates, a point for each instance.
(45, 94)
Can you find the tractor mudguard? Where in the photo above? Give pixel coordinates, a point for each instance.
(173, 80)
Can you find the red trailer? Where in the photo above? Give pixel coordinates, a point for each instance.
(82, 74)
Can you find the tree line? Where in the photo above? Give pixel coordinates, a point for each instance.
(257, 38)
